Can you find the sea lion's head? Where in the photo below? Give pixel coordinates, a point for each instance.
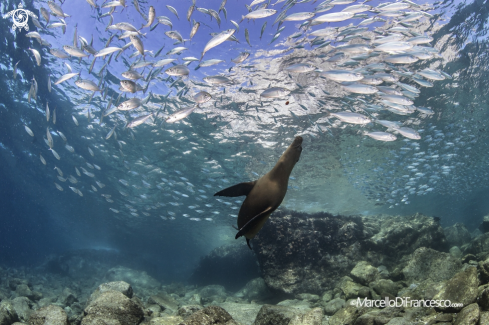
(293, 152)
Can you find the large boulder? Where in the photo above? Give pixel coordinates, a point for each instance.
(22, 306)
(429, 264)
(469, 315)
(276, 315)
(138, 279)
(49, 315)
(309, 253)
(256, 289)
(462, 288)
(113, 306)
(121, 286)
(244, 314)
(8, 315)
(166, 302)
(457, 235)
(231, 266)
(212, 315)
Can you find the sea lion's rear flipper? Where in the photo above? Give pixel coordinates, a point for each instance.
(253, 222)
(248, 242)
(237, 190)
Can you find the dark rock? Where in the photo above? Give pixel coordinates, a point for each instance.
(14, 282)
(483, 299)
(212, 293)
(8, 315)
(364, 273)
(484, 271)
(484, 317)
(353, 290)
(49, 315)
(457, 235)
(67, 297)
(121, 286)
(345, 316)
(231, 266)
(188, 310)
(23, 290)
(275, 315)
(212, 315)
(443, 318)
(469, 257)
(469, 315)
(138, 279)
(462, 288)
(429, 264)
(22, 306)
(301, 252)
(244, 314)
(456, 252)
(164, 301)
(332, 306)
(384, 287)
(382, 316)
(484, 227)
(312, 317)
(113, 306)
(478, 245)
(256, 289)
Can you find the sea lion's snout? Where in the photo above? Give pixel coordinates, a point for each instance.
(297, 144)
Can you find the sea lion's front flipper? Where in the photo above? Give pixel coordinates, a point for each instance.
(237, 190)
(248, 242)
(253, 222)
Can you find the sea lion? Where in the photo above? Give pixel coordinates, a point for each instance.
(264, 195)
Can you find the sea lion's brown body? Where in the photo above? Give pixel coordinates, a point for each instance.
(264, 195)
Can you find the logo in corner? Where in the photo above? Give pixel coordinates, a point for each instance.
(20, 17)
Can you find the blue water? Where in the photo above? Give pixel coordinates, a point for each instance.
(233, 138)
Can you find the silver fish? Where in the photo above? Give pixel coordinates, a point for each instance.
(66, 77)
(177, 116)
(131, 74)
(174, 35)
(178, 70)
(275, 92)
(299, 16)
(342, 75)
(381, 136)
(107, 51)
(260, 13)
(73, 51)
(217, 80)
(56, 9)
(28, 130)
(300, 68)
(202, 97)
(130, 104)
(194, 29)
(241, 57)
(218, 39)
(138, 44)
(173, 10)
(37, 56)
(333, 17)
(350, 117)
(163, 62)
(87, 85)
(151, 17)
(408, 133)
(138, 120)
(58, 54)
